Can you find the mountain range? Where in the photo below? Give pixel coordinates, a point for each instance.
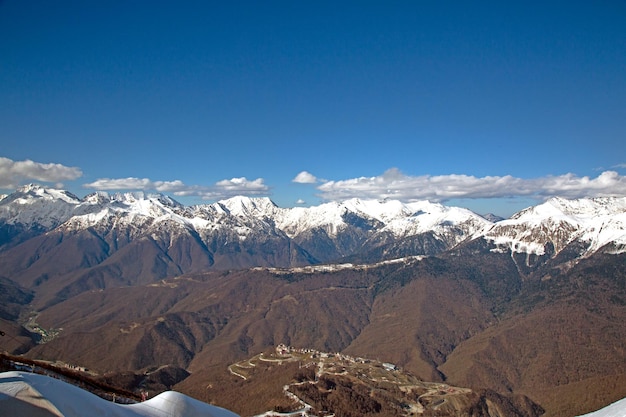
(532, 305)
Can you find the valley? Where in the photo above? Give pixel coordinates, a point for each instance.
(527, 311)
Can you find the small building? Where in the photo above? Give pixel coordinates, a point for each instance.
(389, 366)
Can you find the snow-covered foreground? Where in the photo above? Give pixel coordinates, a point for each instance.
(617, 409)
(24, 394)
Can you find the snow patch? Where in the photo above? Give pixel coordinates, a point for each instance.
(23, 393)
(617, 409)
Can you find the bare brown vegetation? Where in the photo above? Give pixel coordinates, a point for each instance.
(468, 318)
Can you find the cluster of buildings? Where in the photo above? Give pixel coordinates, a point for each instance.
(283, 350)
(75, 367)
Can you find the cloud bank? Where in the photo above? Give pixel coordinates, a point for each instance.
(220, 190)
(12, 173)
(394, 184)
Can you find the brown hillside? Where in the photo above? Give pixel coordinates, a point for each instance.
(558, 335)
(465, 320)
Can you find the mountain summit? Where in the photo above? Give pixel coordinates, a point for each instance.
(65, 245)
(533, 304)
(323, 233)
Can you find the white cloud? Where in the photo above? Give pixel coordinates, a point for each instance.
(242, 183)
(396, 185)
(300, 201)
(132, 183)
(12, 173)
(608, 183)
(305, 178)
(222, 189)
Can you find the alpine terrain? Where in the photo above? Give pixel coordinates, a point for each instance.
(525, 315)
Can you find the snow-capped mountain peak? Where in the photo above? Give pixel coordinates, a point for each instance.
(137, 208)
(38, 206)
(380, 210)
(248, 206)
(426, 217)
(493, 218)
(594, 222)
(99, 197)
(327, 231)
(582, 208)
(35, 191)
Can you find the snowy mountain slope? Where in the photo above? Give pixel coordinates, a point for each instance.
(135, 211)
(451, 224)
(617, 409)
(245, 232)
(558, 222)
(355, 225)
(26, 394)
(34, 205)
(246, 206)
(390, 216)
(326, 232)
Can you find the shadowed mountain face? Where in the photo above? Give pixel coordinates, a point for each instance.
(528, 305)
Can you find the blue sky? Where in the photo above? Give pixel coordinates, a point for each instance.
(491, 106)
